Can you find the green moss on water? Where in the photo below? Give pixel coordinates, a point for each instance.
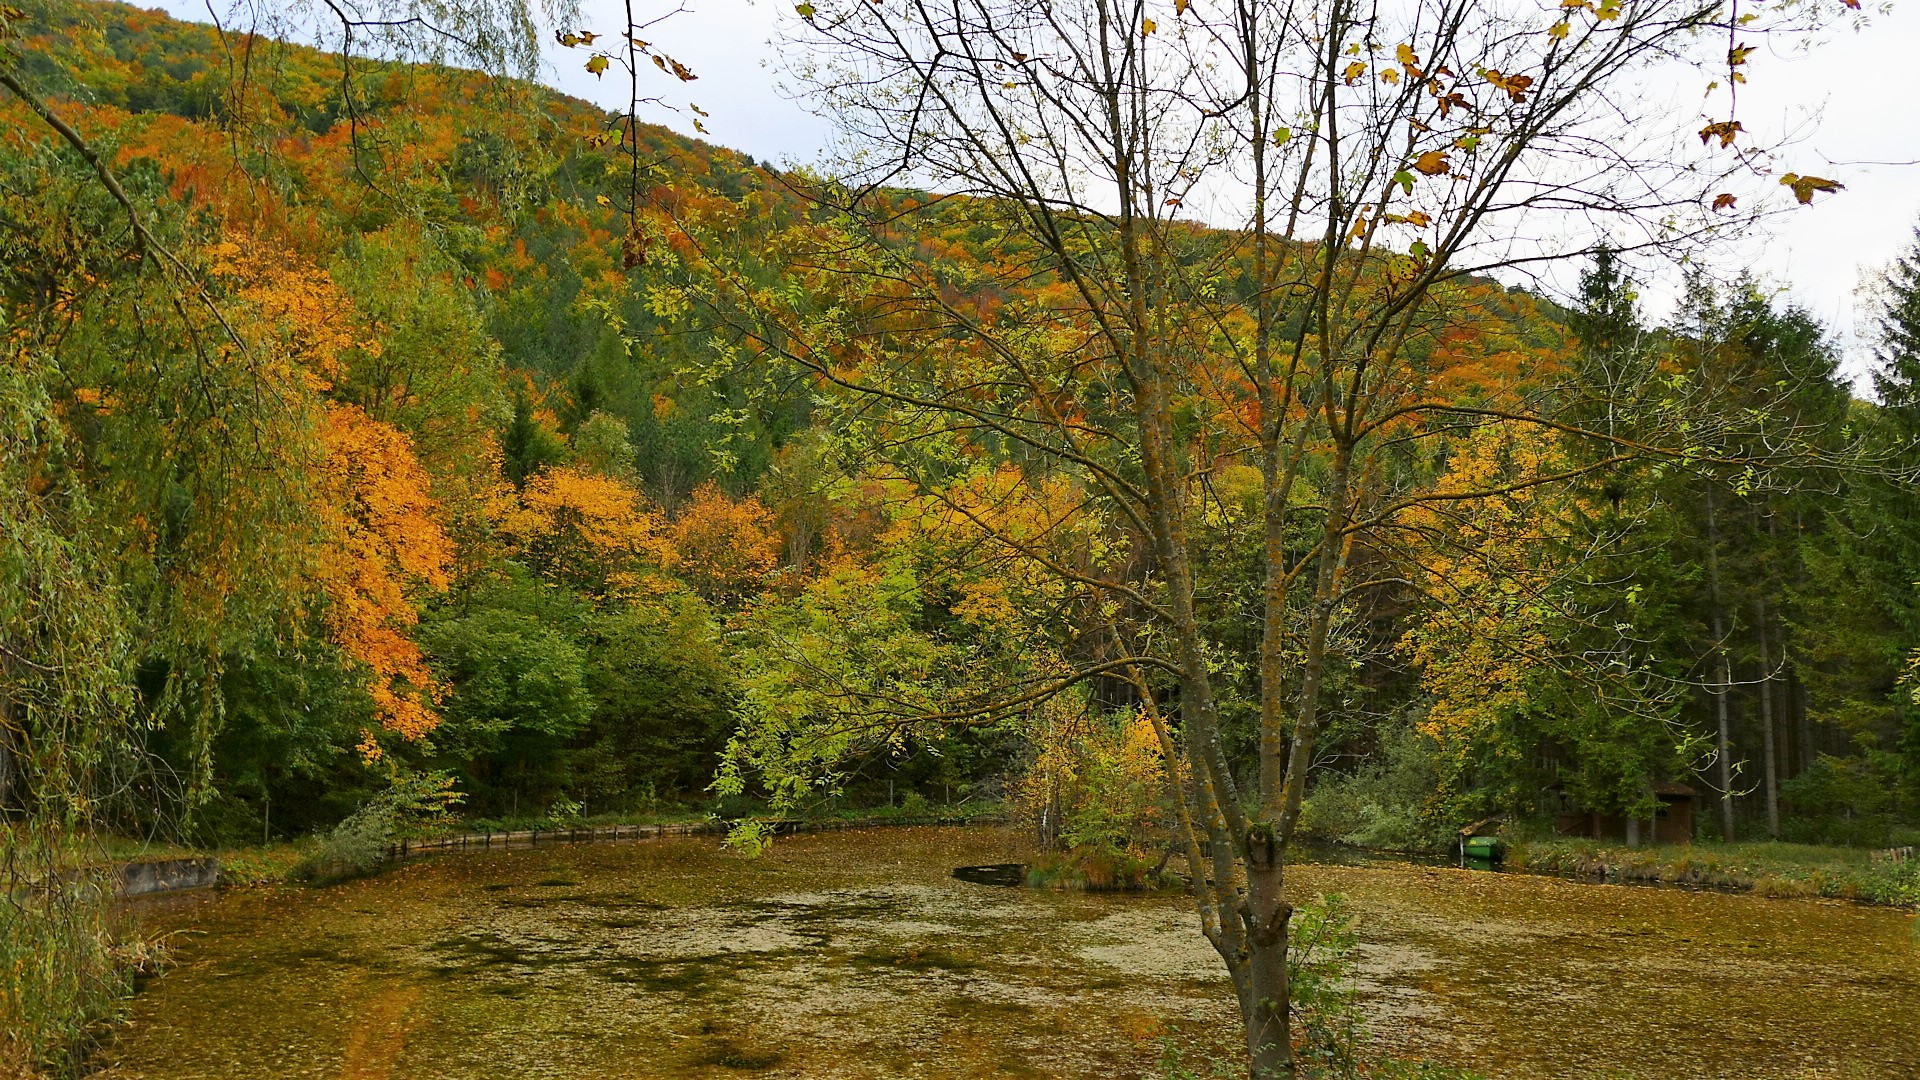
(855, 954)
(912, 958)
(663, 978)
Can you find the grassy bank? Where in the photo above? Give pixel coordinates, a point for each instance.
(1764, 867)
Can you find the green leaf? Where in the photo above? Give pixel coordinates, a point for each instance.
(805, 10)
(1405, 180)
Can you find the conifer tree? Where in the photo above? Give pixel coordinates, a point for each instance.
(1894, 506)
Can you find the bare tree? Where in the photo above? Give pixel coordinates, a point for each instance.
(1357, 163)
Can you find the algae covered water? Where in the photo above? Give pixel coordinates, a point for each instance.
(857, 954)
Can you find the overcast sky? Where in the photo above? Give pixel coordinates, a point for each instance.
(1851, 99)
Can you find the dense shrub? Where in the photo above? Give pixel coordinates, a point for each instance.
(1386, 804)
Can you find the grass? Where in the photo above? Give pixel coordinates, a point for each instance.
(1765, 868)
(65, 970)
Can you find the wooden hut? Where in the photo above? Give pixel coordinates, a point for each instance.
(1672, 821)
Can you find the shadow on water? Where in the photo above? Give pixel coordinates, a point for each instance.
(1006, 874)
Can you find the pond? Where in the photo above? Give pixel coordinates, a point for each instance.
(857, 954)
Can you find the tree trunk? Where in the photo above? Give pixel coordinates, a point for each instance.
(1808, 753)
(1768, 762)
(9, 767)
(1264, 1007)
(6, 764)
(1723, 742)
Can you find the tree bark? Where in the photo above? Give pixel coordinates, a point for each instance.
(1809, 753)
(6, 764)
(9, 767)
(1723, 742)
(1265, 1002)
(1769, 763)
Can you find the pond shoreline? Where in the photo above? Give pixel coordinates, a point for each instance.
(1774, 874)
(1738, 871)
(409, 848)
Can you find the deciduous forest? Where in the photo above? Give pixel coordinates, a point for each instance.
(391, 447)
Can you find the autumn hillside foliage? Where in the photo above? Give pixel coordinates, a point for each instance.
(465, 391)
(400, 457)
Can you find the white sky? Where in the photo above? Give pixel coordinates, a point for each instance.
(1852, 100)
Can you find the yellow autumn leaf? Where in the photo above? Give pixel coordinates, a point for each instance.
(1805, 186)
(1431, 163)
(1353, 72)
(1725, 130)
(1147, 26)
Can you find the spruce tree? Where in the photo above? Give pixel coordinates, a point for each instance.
(1894, 511)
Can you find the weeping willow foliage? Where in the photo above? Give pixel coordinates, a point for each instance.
(67, 716)
(149, 523)
(157, 482)
(66, 719)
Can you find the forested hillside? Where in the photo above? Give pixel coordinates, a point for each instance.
(368, 451)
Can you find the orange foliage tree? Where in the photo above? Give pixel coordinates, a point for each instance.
(581, 528)
(383, 542)
(378, 538)
(723, 547)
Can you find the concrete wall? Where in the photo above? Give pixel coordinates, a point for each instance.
(165, 875)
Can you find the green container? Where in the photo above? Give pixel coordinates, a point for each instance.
(1486, 848)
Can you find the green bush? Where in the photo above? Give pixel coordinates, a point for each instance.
(413, 802)
(1385, 804)
(1844, 801)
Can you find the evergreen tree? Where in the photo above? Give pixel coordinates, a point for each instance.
(1890, 514)
(528, 446)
